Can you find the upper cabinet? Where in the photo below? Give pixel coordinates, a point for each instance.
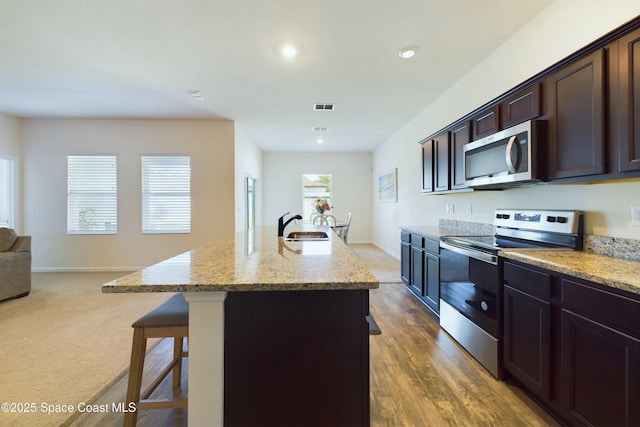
(576, 118)
(435, 163)
(524, 105)
(627, 119)
(460, 135)
(486, 122)
(591, 102)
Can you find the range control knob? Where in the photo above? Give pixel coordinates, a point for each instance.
(562, 219)
(499, 216)
(551, 219)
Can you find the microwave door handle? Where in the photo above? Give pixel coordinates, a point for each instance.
(510, 145)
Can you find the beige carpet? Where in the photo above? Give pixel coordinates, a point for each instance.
(64, 343)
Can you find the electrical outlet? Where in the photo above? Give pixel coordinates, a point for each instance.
(450, 208)
(635, 215)
(469, 209)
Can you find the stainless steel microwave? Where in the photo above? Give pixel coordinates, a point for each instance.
(506, 158)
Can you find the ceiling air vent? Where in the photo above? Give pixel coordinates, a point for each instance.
(324, 107)
(320, 129)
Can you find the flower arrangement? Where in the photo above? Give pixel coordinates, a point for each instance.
(322, 205)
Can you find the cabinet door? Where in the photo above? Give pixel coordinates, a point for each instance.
(405, 264)
(441, 162)
(600, 373)
(432, 281)
(427, 166)
(522, 106)
(527, 342)
(460, 135)
(576, 118)
(416, 278)
(486, 122)
(629, 103)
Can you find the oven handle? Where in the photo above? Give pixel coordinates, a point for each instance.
(480, 256)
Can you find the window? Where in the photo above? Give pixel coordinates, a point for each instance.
(315, 187)
(92, 195)
(166, 194)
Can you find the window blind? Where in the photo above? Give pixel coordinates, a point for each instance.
(92, 195)
(166, 194)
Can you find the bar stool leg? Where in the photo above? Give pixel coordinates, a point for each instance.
(138, 349)
(178, 342)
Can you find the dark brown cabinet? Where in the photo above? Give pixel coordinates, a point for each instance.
(460, 135)
(600, 373)
(574, 344)
(527, 328)
(296, 358)
(628, 105)
(416, 280)
(576, 118)
(435, 164)
(591, 101)
(524, 105)
(600, 356)
(427, 166)
(486, 122)
(405, 256)
(421, 273)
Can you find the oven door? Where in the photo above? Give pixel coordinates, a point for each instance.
(470, 283)
(470, 303)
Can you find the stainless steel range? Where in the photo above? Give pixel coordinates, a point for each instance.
(471, 274)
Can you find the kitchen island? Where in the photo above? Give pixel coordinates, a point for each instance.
(277, 329)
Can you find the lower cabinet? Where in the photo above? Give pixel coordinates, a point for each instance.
(405, 256)
(527, 343)
(420, 268)
(574, 345)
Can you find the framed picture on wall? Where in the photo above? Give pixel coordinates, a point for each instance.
(388, 186)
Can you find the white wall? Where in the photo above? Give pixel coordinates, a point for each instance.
(248, 162)
(562, 28)
(47, 142)
(282, 186)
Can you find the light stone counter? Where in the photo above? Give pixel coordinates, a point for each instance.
(614, 272)
(248, 261)
(254, 261)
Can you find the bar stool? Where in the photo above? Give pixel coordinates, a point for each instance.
(169, 319)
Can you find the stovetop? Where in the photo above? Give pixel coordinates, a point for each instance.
(528, 229)
(492, 243)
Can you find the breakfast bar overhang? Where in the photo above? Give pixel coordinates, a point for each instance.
(278, 331)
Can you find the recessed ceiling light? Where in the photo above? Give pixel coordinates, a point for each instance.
(320, 141)
(289, 51)
(408, 52)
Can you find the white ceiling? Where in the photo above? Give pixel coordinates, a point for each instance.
(138, 59)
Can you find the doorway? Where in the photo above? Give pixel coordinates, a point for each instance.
(6, 192)
(249, 203)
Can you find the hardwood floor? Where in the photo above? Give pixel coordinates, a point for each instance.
(419, 376)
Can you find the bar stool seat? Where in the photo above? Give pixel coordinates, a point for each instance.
(170, 319)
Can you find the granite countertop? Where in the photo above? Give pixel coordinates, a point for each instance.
(257, 260)
(614, 272)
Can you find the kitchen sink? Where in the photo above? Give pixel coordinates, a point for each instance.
(307, 236)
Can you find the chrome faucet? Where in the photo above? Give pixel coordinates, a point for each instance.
(282, 224)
